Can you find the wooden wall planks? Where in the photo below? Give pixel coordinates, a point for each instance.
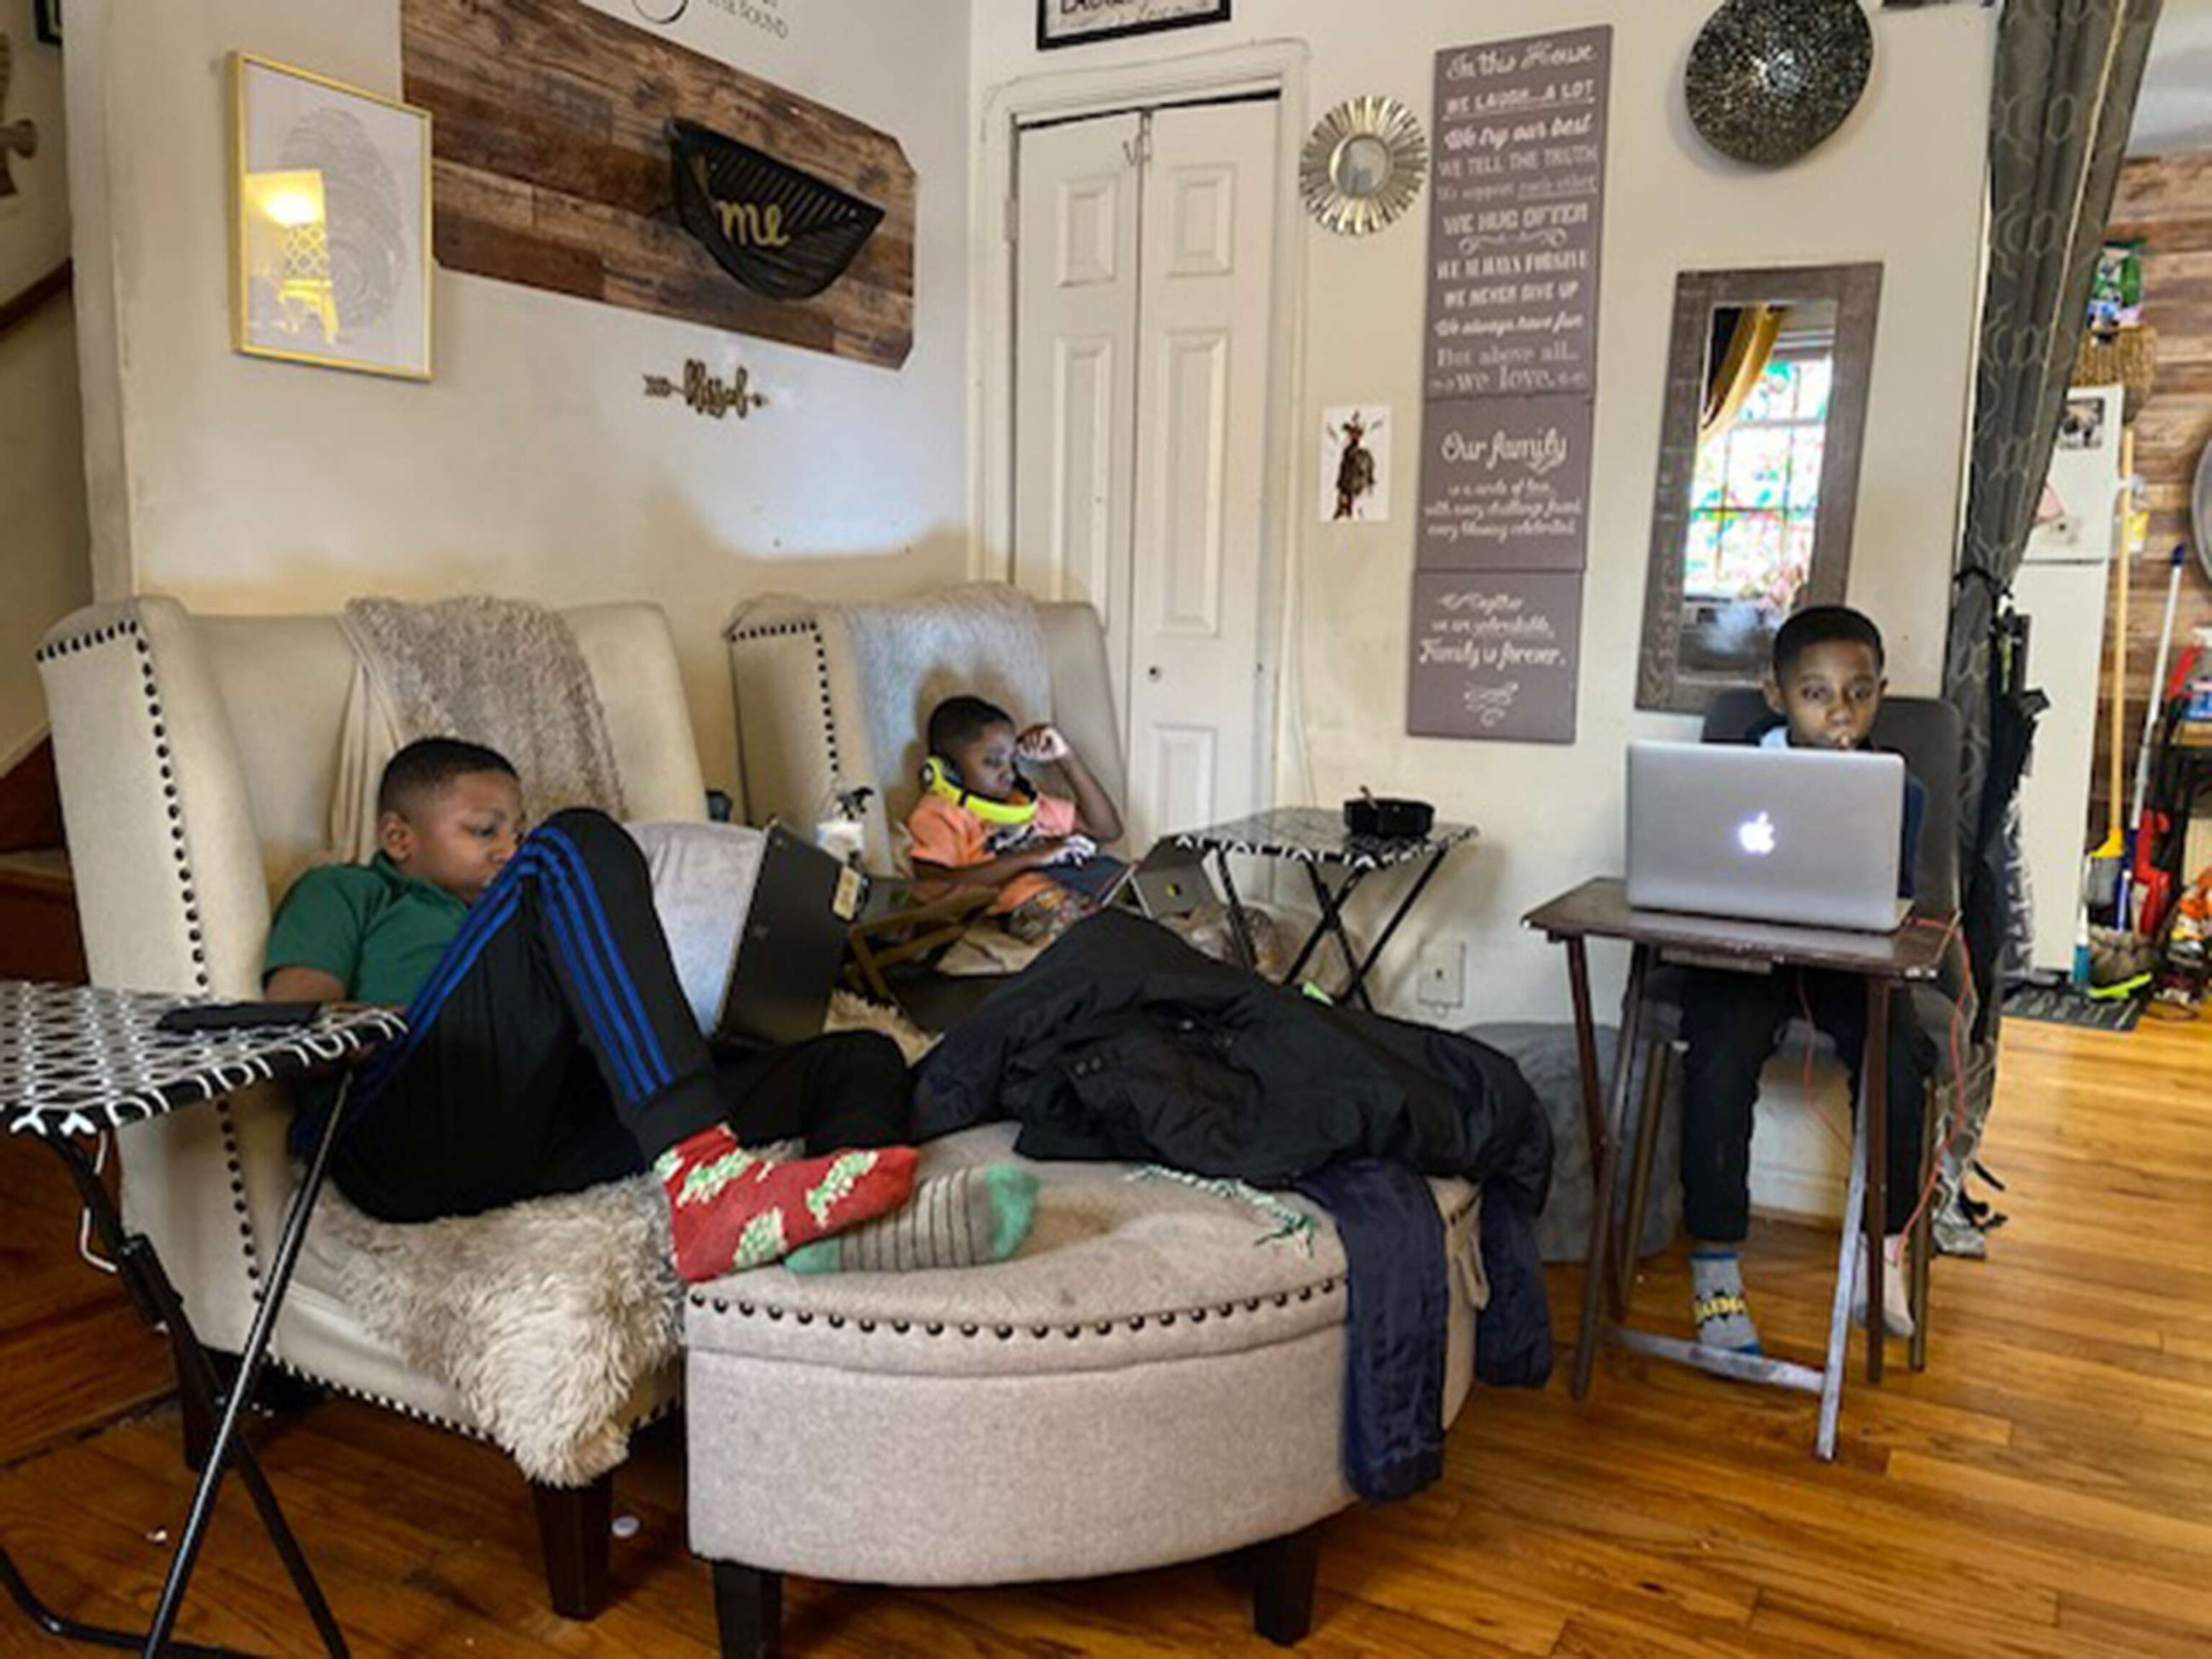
(550, 170)
(2167, 201)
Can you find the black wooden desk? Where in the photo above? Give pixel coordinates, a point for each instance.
(78, 1062)
(1600, 909)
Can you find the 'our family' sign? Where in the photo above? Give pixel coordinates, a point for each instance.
(1506, 484)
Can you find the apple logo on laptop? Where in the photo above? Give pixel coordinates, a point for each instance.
(1756, 835)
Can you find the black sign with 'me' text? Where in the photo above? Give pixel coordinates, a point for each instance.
(782, 232)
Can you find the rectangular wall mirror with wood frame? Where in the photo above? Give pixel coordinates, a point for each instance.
(1759, 470)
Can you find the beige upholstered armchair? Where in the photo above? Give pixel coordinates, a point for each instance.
(197, 756)
(823, 707)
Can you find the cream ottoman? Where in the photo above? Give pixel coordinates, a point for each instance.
(1146, 1383)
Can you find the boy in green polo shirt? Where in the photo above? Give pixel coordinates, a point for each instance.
(549, 1046)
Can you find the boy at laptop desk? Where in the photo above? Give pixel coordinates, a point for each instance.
(1825, 688)
(549, 1048)
(981, 823)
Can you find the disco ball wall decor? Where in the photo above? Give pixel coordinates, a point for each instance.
(1770, 79)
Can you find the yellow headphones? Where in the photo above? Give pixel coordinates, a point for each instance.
(940, 777)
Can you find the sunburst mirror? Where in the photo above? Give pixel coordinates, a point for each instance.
(1362, 165)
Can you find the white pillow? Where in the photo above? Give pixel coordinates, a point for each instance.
(702, 886)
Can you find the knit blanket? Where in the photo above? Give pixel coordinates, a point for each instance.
(503, 673)
(550, 1319)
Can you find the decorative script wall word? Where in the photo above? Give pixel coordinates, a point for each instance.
(710, 394)
(747, 224)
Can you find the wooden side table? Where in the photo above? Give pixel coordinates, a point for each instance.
(81, 1060)
(1885, 961)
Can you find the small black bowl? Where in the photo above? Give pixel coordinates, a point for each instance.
(1389, 819)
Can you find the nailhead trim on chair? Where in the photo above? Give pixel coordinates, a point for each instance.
(467, 1432)
(181, 852)
(812, 630)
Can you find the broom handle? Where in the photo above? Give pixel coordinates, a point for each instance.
(2117, 741)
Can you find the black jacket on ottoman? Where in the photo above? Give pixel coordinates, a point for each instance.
(1122, 1042)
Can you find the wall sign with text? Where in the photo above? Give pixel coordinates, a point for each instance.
(1517, 218)
(537, 183)
(1073, 22)
(1515, 214)
(779, 231)
(1506, 484)
(1496, 656)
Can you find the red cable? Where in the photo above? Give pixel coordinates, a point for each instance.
(1957, 1126)
(1811, 1035)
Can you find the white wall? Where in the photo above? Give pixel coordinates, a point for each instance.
(1900, 182)
(42, 518)
(2173, 112)
(531, 465)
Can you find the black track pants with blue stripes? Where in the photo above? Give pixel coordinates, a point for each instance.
(552, 1048)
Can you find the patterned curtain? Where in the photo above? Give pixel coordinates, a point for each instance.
(2067, 75)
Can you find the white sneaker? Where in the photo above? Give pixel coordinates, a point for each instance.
(1896, 1305)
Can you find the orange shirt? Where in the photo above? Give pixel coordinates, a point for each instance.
(946, 833)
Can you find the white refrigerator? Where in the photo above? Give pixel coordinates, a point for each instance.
(2063, 587)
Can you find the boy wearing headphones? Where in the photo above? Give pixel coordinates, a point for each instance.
(981, 823)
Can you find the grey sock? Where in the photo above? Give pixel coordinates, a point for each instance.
(1716, 1302)
(974, 1215)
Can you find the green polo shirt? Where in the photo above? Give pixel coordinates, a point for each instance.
(374, 928)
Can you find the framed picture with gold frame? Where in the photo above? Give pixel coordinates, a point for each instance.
(331, 220)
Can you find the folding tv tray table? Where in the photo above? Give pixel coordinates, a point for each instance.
(77, 1061)
(1887, 963)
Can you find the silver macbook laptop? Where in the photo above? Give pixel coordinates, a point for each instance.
(1800, 835)
(1172, 882)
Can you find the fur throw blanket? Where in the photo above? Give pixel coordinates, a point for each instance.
(503, 673)
(549, 1318)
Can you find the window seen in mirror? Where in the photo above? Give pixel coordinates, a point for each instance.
(1756, 493)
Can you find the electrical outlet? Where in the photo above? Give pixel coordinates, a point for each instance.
(1443, 974)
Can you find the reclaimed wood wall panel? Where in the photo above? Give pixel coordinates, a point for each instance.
(2165, 201)
(551, 169)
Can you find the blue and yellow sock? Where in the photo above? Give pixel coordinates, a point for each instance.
(1716, 1302)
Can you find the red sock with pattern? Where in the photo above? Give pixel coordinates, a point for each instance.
(730, 1209)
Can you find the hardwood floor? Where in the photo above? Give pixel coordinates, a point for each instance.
(2045, 1488)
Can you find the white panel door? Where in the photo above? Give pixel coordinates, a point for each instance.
(1195, 722)
(1075, 377)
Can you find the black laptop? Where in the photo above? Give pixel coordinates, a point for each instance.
(792, 947)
